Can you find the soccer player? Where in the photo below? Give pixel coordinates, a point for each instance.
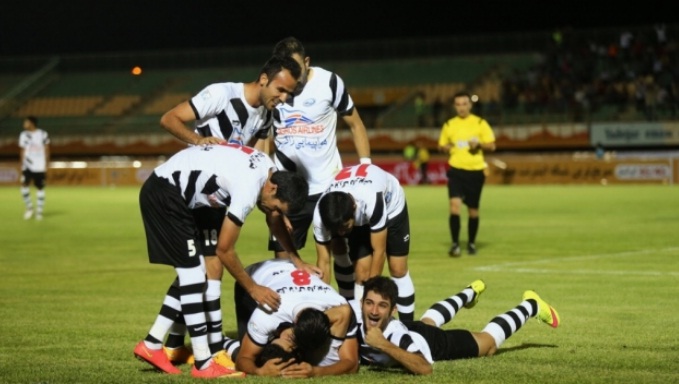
(217, 176)
(465, 138)
(416, 345)
(313, 319)
(367, 205)
(35, 156)
(231, 112)
(305, 140)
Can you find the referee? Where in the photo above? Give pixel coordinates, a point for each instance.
(465, 138)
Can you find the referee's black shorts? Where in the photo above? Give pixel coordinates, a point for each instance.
(466, 185)
(171, 234)
(448, 344)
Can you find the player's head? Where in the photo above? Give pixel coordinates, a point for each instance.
(462, 101)
(273, 351)
(292, 189)
(292, 47)
(278, 79)
(281, 345)
(337, 212)
(311, 330)
(378, 302)
(30, 122)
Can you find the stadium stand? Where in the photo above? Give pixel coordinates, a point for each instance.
(579, 80)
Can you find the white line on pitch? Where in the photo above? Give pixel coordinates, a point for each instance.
(578, 272)
(516, 266)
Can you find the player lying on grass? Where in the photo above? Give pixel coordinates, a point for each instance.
(312, 317)
(415, 345)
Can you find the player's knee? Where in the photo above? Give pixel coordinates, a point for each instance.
(398, 269)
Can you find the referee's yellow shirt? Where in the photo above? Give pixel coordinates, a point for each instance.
(457, 133)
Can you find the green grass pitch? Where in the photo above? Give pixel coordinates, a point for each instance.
(77, 291)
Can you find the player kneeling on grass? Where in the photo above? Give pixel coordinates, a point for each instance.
(415, 345)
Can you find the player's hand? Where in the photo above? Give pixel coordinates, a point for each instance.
(266, 298)
(274, 367)
(311, 269)
(298, 371)
(375, 338)
(474, 145)
(210, 140)
(287, 223)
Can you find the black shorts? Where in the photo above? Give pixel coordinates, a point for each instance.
(209, 223)
(301, 221)
(398, 238)
(466, 185)
(448, 344)
(37, 178)
(171, 234)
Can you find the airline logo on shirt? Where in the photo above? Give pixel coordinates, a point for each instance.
(297, 123)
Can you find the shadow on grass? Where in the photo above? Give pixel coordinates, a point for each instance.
(525, 346)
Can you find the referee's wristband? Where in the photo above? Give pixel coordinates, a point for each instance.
(365, 160)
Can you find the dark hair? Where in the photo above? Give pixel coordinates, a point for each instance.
(383, 286)
(462, 94)
(288, 47)
(293, 189)
(311, 330)
(278, 63)
(274, 351)
(32, 119)
(336, 208)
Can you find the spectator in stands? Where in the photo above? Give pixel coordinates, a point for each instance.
(420, 106)
(464, 138)
(35, 156)
(436, 111)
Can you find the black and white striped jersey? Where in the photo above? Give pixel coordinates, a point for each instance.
(34, 143)
(377, 193)
(397, 333)
(306, 126)
(222, 111)
(227, 175)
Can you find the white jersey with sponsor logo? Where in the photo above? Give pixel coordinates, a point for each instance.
(377, 193)
(222, 111)
(228, 175)
(305, 129)
(298, 290)
(397, 333)
(34, 143)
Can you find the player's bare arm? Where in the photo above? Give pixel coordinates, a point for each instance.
(226, 251)
(378, 241)
(175, 120)
(348, 360)
(245, 361)
(359, 134)
(340, 317)
(323, 252)
(278, 227)
(413, 362)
